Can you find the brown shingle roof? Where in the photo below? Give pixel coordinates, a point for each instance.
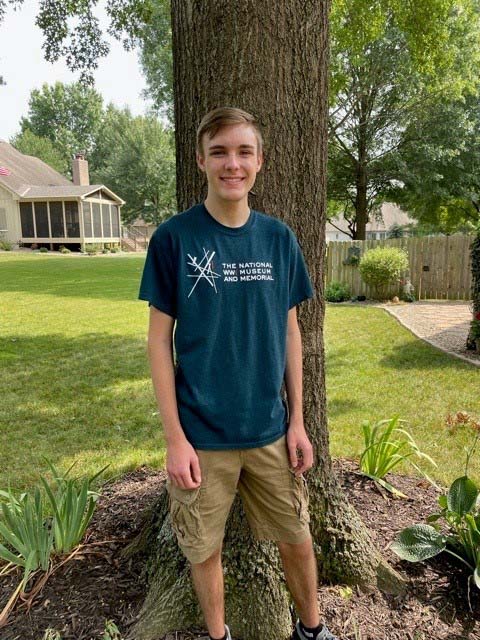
(30, 177)
(27, 170)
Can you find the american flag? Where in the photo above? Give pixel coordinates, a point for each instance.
(4, 171)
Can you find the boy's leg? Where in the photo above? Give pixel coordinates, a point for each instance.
(300, 567)
(207, 578)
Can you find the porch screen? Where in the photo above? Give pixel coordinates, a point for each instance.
(41, 219)
(115, 225)
(56, 220)
(87, 219)
(26, 217)
(71, 218)
(97, 221)
(107, 228)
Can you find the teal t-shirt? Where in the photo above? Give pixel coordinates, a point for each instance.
(229, 290)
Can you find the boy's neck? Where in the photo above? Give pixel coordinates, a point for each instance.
(228, 213)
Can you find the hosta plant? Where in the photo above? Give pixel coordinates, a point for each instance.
(454, 529)
(386, 446)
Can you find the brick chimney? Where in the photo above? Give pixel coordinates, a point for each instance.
(80, 169)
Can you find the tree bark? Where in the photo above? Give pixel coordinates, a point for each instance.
(475, 260)
(270, 59)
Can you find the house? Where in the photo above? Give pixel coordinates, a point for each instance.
(39, 206)
(375, 230)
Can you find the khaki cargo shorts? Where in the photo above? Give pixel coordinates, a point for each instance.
(274, 499)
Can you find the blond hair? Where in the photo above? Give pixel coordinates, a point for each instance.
(220, 117)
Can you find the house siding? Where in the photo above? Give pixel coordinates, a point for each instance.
(12, 211)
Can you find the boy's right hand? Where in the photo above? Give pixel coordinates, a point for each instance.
(183, 467)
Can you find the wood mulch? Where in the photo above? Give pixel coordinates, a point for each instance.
(99, 585)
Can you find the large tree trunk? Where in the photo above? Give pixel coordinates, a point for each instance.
(269, 58)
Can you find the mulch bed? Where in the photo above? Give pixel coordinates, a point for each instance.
(99, 585)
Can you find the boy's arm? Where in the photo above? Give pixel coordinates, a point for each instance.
(182, 461)
(296, 435)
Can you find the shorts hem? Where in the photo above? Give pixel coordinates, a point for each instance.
(277, 535)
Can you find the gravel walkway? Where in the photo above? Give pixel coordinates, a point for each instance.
(444, 324)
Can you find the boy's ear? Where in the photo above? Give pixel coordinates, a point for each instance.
(200, 161)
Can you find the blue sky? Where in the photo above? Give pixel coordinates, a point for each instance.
(24, 68)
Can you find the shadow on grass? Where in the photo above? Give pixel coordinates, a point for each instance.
(420, 355)
(69, 395)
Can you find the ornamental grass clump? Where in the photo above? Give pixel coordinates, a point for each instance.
(30, 537)
(386, 446)
(382, 267)
(455, 528)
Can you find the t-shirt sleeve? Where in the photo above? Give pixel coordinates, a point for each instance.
(158, 283)
(300, 286)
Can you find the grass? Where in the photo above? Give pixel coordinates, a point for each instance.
(76, 382)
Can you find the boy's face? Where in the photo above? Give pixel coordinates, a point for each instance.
(231, 162)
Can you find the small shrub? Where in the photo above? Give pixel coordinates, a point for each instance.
(382, 267)
(114, 250)
(43, 250)
(6, 245)
(64, 249)
(105, 250)
(337, 292)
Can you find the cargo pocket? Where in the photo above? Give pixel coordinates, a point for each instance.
(300, 497)
(185, 514)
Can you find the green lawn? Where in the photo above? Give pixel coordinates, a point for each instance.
(76, 385)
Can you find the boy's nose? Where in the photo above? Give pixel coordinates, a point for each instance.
(232, 161)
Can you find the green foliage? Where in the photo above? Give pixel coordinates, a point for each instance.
(157, 60)
(64, 250)
(459, 510)
(30, 535)
(41, 147)
(27, 533)
(43, 250)
(111, 631)
(387, 446)
(337, 292)
(6, 245)
(138, 163)
(391, 61)
(382, 266)
(52, 634)
(69, 115)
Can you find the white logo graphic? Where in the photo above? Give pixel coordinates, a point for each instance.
(203, 270)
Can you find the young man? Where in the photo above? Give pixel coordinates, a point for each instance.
(230, 278)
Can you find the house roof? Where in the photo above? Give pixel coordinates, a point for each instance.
(391, 214)
(30, 177)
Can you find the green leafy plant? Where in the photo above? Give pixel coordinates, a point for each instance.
(381, 267)
(64, 249)
(336, 292)
(112, 632)
(43, 250)
(30, 537)
(455, 528)
(6, 245)
(51, 634)
(386, 446)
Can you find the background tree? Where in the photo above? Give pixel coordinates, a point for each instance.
(69, 115)
(135, 157)
(390, 60)
(32, 145)
(438, 175)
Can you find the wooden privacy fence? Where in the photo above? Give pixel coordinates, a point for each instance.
(439, 265)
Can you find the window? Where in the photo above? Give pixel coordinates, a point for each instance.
(56, 220)
(41, 219)
(97, 222)
(87, 220)
(3, 219)
(71, 219)
(107, 230)
(26, 217)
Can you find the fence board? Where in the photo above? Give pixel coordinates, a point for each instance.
(447, 258)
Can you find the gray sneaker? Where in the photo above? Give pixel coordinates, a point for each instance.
(324, 634)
